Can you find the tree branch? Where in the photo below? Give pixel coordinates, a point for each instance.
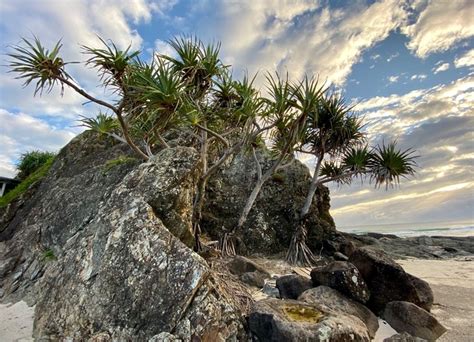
(214, 134)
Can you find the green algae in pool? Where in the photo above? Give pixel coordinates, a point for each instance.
(303, 313)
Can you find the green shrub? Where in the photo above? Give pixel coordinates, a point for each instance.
(26, 183)
(32, 161)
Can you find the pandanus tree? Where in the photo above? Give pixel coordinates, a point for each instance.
(334, 136)
(283, 117)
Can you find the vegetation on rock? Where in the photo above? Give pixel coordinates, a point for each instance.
(194, 93)
(26, 183)
(31, 161)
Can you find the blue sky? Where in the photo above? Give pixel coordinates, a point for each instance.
(407, 65)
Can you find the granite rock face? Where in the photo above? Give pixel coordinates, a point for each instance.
(103, 252)
(270, 224)
(290, 320)
(387, 281)
(344, 277)
(333, 299)
(407, 317)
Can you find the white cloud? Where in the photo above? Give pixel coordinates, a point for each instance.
(299, 36)
(393, 79)
(420, 77)
(440, 25)
(465, 60)
(21, 132)
(438, 123)
(441, 67)
(393, 56)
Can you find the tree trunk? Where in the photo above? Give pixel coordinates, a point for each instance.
(250, 201)
(312, 189)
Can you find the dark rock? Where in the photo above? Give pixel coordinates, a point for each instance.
(253, 279)
(289, 320)
(407, 317)
(270, 224)
(335, 300)
(291, 286)
(344, 277)
(340, 257)
(240, 265)
(404, 337)
(388, 281)
(419, 247)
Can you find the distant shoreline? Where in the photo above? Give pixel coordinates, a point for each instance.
(445, 229)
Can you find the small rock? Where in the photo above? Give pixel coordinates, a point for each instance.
(270, 290)
(240, 265)
(404, 337)
(290, 320)
(291, 286)
(253, 279)
(407, 317)
(388, 281)
(331, 298)
(340, 257)
(344, 277)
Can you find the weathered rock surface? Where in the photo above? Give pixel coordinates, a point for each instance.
(255, 279)
(403, 337)
(291, 286)
(407, 317)
(336, 301)
(423, 247)
(240, 265)
(102, 252)
(344, 277)
(387, 281)
(289, 320)
(270, 224)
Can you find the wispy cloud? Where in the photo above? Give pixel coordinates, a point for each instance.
(440, 67)
(393, 79)
(439, 25)
(420, 77)
(465, 60)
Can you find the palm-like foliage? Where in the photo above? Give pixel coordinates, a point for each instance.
(111, 62)
(196, 63)
(33, 62)
(102, 123)
(388, 164)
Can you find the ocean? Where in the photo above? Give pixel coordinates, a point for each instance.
(415, 229)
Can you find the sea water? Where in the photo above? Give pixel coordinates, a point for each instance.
(465, 228)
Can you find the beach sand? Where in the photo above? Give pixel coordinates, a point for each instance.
(452, 282)
(16, 322)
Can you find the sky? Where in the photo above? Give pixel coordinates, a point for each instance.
(407, 66)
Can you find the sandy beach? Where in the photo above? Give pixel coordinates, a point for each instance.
(452, 282)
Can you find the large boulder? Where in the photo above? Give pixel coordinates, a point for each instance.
(290, 320)
(291, 286)
(103, 251)
(270, 224)
(336, 301)
(344, 277)
(387, 281)
(407, 317)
